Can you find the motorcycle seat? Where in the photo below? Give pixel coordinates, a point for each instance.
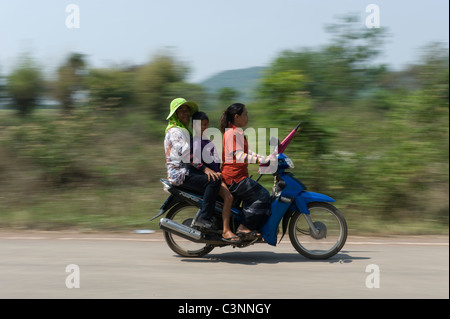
(167, 185)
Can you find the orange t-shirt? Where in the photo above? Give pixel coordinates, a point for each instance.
(233, 170)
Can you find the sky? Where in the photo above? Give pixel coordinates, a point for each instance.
(210, 36)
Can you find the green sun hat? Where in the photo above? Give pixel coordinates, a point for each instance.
(175, 104)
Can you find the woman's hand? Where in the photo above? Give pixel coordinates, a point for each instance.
(212, 175)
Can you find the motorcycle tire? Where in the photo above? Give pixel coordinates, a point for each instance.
(175, 242)
(331, 236)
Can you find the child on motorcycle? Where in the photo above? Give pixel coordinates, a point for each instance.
(203, 147)
(236, 157)
(180, 169)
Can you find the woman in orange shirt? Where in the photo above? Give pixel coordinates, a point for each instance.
(236, 157)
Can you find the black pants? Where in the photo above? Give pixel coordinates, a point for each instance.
(256, 202)
(198, 181)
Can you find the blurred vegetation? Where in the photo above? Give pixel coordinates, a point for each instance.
(25, 84)
(374, 139)
(69, 80)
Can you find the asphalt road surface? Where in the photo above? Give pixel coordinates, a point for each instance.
(69, 265)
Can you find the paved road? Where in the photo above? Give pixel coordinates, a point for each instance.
(142, 266)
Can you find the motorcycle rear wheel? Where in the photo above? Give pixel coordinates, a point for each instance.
(183, 213)
(331, 236)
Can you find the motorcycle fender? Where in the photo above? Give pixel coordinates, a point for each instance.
(269, 230)
(285, 223)
(306, 197)
(170, 201)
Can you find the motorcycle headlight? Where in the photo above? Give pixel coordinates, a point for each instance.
(289, 162)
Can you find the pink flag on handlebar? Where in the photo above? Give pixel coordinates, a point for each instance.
(287, 140)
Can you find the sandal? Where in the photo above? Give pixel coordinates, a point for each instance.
(252, 233)
(235, 239)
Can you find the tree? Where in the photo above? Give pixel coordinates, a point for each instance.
(433, 72)
(280, 87)
(25, 85)
(287, 103)
(341, 69)
(352, 53)
(69, 80)
(227, 95)
(111, 88)
(153, 80)
(189, 91)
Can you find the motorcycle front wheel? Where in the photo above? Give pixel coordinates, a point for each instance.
(184, 213)
(330, 236)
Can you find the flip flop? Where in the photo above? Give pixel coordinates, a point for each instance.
(255, 233)
(235, 239)
(242, 234)
(252, 233)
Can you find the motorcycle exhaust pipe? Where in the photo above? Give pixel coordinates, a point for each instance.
(179, 229)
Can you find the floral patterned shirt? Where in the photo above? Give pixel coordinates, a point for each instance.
(177, 145)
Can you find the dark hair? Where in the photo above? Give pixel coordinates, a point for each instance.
(200, 116)
(228, 115)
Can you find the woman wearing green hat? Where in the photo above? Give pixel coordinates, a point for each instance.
(180, 169)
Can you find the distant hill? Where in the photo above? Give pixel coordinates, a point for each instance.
(245, 81)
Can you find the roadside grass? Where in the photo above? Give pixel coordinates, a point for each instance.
(125, 209)
(86, 210)
(102, 174)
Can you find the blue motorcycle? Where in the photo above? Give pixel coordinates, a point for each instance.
(317, 229)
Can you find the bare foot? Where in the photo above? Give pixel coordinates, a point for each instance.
(228, 234)
(243, 230)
